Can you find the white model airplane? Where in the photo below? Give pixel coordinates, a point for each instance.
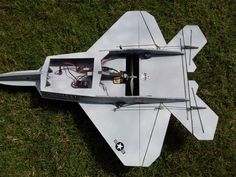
(129, 83)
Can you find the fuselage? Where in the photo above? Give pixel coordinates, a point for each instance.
(112, 77)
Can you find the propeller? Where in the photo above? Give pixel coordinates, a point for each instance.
(132, 77)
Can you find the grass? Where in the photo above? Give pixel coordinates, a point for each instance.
(48, 138)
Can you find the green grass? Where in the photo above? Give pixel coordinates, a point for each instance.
(48, 138)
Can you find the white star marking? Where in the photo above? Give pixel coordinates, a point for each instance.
(119, 146)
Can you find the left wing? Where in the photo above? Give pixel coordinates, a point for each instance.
(133, 29)
(135, 133)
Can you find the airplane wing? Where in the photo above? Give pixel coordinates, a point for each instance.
(135, 133)
(133, 29)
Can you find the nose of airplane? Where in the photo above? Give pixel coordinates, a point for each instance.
(20, 78)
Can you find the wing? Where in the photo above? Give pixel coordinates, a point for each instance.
(135, 133)
(133, 29)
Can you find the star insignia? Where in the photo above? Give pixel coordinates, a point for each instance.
(119, 146)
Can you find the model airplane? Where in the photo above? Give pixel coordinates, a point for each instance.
(129, 83)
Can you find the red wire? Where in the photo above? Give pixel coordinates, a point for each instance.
(105, 60)
(69, 63)
(72, 64)
(71, 74)
(81, 77)
(76, 78)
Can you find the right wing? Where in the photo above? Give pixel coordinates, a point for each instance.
(135, 133)
(134, 29)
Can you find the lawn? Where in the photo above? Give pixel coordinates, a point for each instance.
(39, 137)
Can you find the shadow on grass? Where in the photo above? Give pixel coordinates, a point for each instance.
(101, 151)
(99, 148)
(175, 135)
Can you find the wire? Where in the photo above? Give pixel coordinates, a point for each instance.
(71, 73)
(72, 64)
(81, 77)
(66, 73)
(75, 78)
(105, 60)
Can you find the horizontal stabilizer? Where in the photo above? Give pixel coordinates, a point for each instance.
(195, 115)
(191, 40)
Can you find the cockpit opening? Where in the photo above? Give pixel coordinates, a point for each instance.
(75, 73)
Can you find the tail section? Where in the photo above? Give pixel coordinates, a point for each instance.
(195, 115)
(190, 40)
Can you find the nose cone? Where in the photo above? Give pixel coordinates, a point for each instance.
(20, 78)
